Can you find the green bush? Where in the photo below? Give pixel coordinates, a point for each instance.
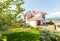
(3, 38)
(22, 36)
(50, 35)
(50, 23)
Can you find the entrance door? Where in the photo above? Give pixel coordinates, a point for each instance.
(38, 22)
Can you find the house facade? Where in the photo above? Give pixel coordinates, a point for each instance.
(35, 18)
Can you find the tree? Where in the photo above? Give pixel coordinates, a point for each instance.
(9, 10)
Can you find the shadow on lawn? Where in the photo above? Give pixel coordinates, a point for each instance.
(23, 36)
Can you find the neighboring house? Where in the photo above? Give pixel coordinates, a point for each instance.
(35, 18)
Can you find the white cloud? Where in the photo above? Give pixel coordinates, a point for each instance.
(53, 15)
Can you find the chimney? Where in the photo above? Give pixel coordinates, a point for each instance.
(33, 11)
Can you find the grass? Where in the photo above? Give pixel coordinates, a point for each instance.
(21, 34)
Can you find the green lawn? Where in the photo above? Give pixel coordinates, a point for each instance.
(21, 34)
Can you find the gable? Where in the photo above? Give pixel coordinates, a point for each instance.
(34, 15)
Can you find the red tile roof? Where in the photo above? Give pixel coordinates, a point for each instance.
(31, 15)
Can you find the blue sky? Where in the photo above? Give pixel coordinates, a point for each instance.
(48, 6)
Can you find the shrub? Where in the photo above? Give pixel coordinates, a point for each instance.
(50, 23)
(28, 26)
(49, 35)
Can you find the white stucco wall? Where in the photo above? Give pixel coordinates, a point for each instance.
(38, 17)
(32, 23)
